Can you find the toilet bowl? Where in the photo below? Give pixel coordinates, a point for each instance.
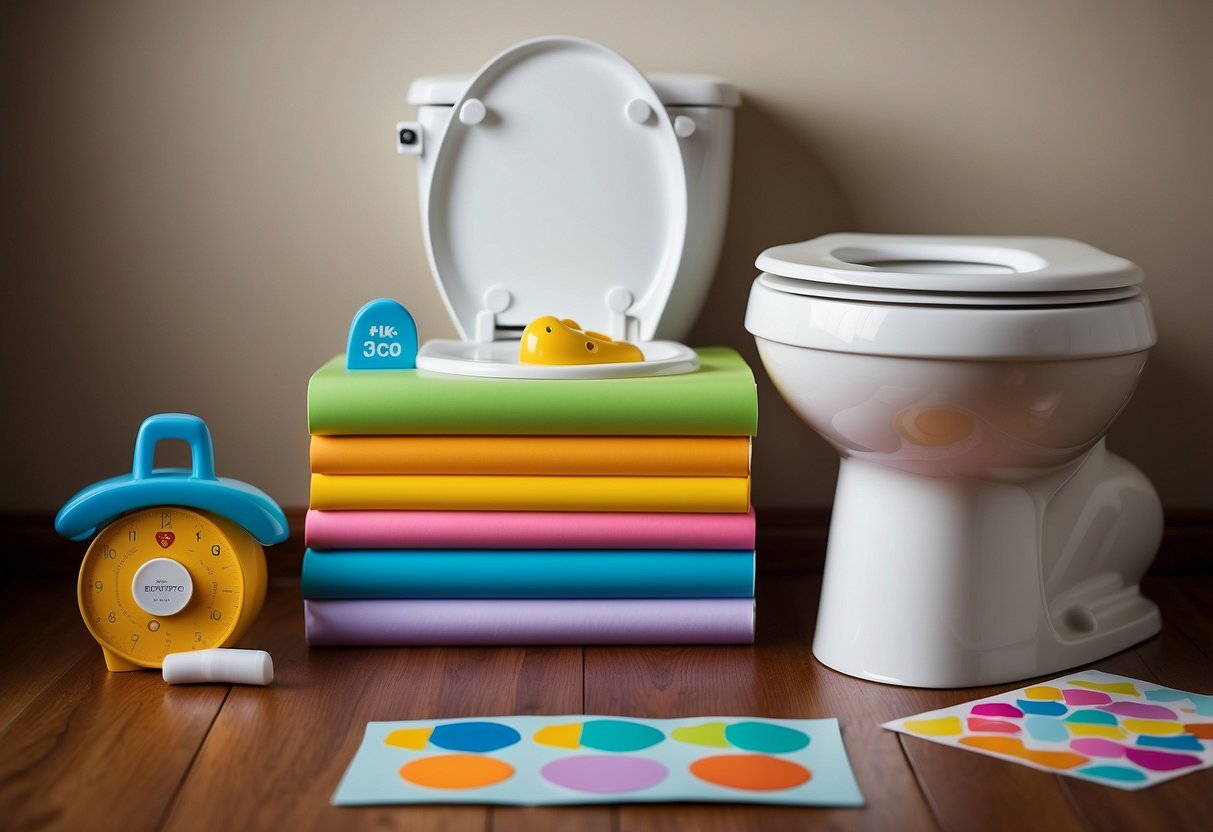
(981, 531)
(559, 180)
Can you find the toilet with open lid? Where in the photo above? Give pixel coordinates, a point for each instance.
(561, 181)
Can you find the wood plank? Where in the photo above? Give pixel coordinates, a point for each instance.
(1186, 603)
(101, 747)
(52, 639)
(276, 754)
(776, 678)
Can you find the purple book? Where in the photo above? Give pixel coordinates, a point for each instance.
(418, 622)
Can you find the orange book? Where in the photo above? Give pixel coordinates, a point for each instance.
(639, 456)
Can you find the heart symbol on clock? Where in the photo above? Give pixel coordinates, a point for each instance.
(165, 539)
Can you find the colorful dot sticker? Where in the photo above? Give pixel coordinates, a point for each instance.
(456, 771)
(1108, 729)
(601, 735)
(1029, 706)
(456, 736)
(748, 736)
(573, 759)
(751, 772)
(605, 773)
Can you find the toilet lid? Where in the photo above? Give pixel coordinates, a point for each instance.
(569, 186)
(995, 271)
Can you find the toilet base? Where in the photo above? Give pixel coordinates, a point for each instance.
(938, 582)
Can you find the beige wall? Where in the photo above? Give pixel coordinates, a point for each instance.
(197, 196)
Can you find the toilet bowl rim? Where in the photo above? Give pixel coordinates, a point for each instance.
(921, 297)
(983, 333)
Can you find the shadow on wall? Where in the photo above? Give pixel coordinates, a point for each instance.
(1170, 456)
(782, 192)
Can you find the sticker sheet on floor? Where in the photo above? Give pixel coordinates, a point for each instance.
(1100, 727)
(550, 760)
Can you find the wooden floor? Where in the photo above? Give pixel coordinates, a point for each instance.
(81, 748)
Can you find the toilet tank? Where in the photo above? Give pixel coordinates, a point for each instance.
(706, 157)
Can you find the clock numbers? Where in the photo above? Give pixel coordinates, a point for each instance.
(109, 553)
(216, 550)
(166, 519)
(96, 586)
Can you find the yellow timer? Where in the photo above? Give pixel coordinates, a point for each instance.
(179, 564)
(167, 579)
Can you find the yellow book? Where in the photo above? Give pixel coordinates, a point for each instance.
(513, 493)
(661, 456)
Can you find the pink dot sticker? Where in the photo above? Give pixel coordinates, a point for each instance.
(604, 773)
(1078, 696)
(996, 709)
(1097, 747)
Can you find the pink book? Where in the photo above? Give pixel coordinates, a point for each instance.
(527, 530)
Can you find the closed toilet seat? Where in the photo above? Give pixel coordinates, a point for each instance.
(558, 189)
(950, 297)
(981, 266)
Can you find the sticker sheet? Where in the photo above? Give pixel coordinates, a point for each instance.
(1092, 725)
(552, 760)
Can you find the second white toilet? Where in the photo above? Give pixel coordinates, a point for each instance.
(981, 532)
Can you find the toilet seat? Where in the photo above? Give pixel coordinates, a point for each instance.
(558, 189)
(975, 298)
(997, 271)
(796, 286)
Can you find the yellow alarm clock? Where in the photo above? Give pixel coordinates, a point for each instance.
(178, 565)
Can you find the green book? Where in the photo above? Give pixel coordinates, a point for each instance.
(718, 399)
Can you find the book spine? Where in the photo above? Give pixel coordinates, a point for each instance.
(527, 530)
(501, 622)
(667, 456)
(509, 493)
(549, 573)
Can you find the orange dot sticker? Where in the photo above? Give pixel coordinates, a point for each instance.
(750, 772)
(456, 771)
(1013, 747)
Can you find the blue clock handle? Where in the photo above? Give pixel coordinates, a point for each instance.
(183, 426)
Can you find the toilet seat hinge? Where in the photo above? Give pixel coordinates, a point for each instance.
(496, 299)
(620, 325)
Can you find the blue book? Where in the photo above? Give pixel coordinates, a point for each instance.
(539, 573)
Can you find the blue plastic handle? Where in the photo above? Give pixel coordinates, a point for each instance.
(183, 426)
(197, 487)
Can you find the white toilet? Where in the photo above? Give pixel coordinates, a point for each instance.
(981, 532)
(561, 181)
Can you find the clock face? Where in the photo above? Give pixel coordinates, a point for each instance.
(162, 580)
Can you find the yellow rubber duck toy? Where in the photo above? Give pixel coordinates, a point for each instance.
(550, 340)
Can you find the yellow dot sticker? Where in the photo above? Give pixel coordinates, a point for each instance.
(948, 726)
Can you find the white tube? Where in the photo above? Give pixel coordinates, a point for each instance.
(223, 665)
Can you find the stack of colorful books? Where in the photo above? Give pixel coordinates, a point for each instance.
(455, 510)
